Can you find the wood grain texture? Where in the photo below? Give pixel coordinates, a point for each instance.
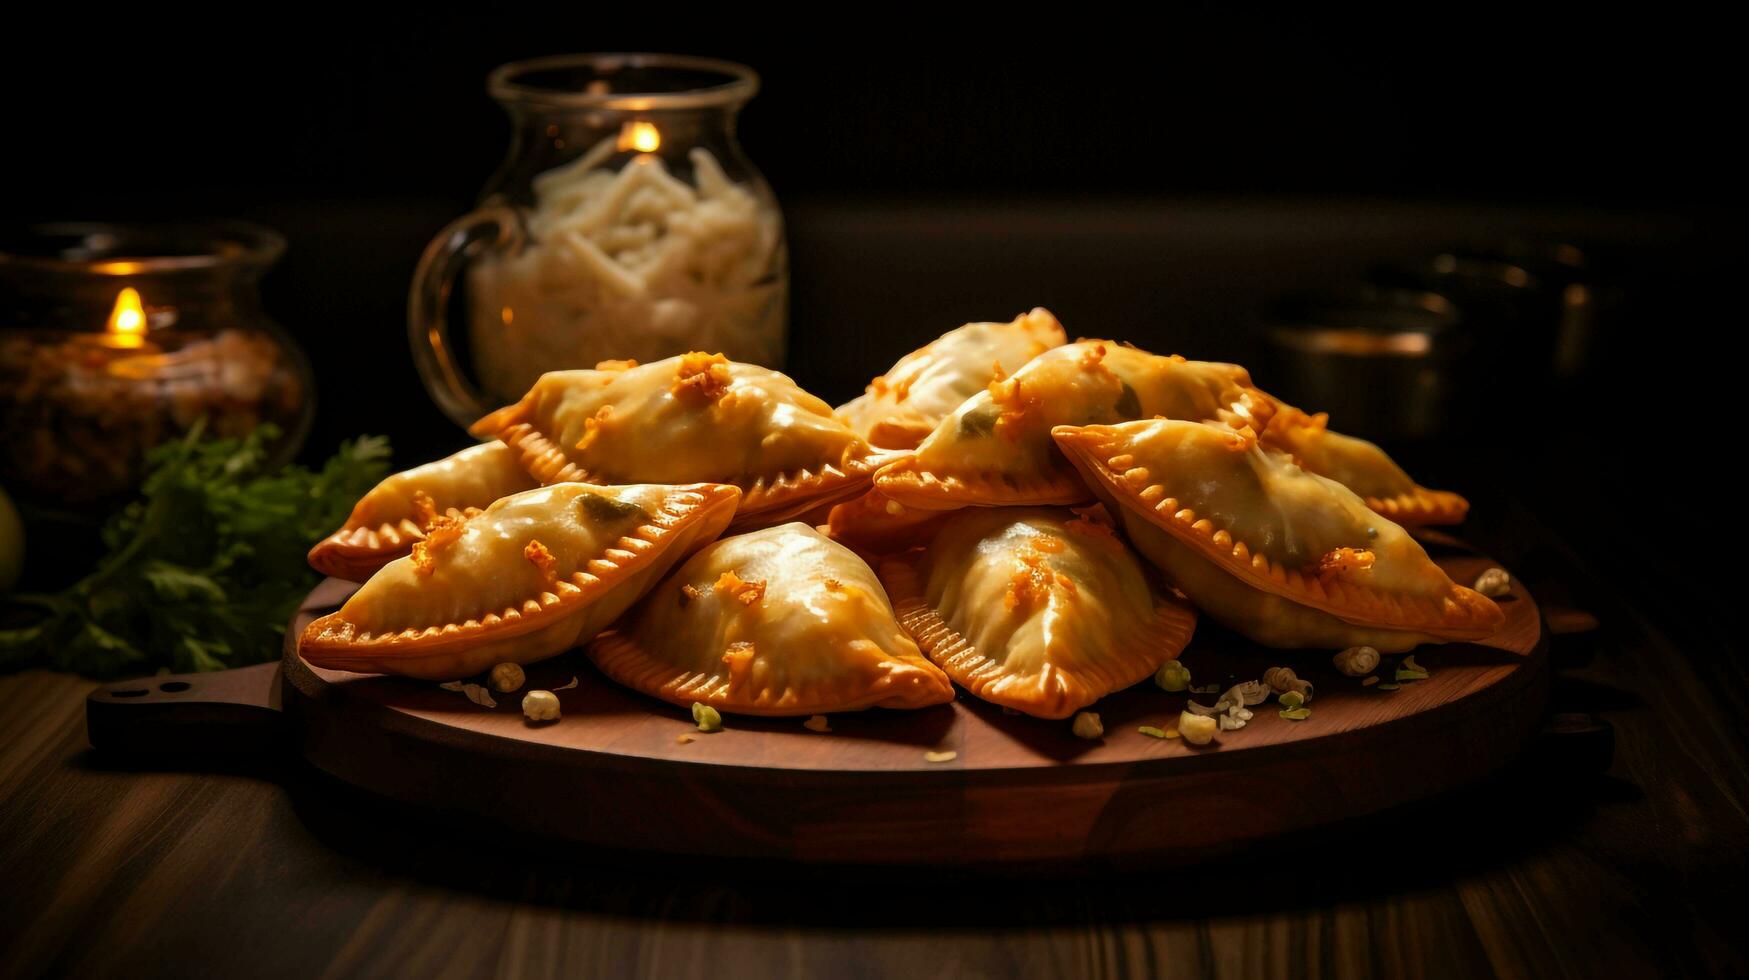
(271, 869)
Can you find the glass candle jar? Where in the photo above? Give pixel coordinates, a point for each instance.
(625, 223)
(117, 338)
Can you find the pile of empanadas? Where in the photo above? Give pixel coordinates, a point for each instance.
(1046, 518)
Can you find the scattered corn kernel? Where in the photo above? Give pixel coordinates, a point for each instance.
(506, 678)
(1357, 661)
(540, 706)
(707, 717)
(1172, 676)
(1152, 732)
(683, 738)
(1087, 725)
(817, 723)
(948, 756)
(1370, 681)
(1494, 582)
(1197, 729)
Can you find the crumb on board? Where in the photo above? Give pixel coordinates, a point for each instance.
(1087, 725)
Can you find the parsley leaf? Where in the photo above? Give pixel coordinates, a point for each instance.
(205, 569)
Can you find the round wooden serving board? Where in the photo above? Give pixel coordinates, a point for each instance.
(1020, 790)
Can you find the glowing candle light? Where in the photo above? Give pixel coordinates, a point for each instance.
(641, 136)
(127, 322)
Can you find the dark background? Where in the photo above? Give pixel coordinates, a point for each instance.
(1157, 182)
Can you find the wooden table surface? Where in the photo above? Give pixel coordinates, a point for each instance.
(1551, 869)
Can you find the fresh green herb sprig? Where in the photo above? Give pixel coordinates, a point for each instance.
(205, 569)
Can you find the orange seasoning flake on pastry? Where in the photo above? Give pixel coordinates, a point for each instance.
(701, 378)
(1014, 403)
(746, 593)
(439, 532)
(593, 425)
(424, 510)
(541, 558)
(1342, 560)
(739, 658)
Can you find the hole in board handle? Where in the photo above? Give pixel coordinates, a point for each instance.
(174, 687)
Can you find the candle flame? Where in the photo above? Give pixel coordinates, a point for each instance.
(127, 323)
(641, 136)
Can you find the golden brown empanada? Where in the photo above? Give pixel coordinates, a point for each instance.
(996, 448)
(904, 405)
(688, 419)
(534, 574)
(1284, 556)
(397, 512)
(1036, 609)
(1362, 467)
(777, 622)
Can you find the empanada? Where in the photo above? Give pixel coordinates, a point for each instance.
(396, 512)
(1036, 609)
(777, 622)
(688, 419)
(1284, 556)
(534, 574)
(1362, 467)
(904, 405)
(996, 449)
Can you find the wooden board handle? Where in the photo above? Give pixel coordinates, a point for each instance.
(222, 713)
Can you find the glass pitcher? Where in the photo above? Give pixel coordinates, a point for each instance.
(624, 224)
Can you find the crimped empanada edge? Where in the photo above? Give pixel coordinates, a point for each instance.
(761, 497)
(906, 481)
(332, 634)
(1171, 628)
(620, 656)
(356, 551)
(1461, 614)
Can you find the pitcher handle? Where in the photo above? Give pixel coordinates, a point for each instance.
(428, 328)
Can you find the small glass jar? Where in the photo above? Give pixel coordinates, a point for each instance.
(625, 223)
(1380, 361)
(118, 338)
